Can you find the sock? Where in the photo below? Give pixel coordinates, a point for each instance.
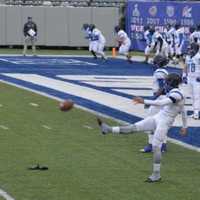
(150, 138)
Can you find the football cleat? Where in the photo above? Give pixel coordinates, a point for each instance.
(147, 149)
(103, 126)
(164, 147)
(152, 180)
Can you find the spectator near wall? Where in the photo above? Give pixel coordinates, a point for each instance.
(30, 35)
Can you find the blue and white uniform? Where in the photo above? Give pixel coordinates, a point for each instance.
(160, 44)
(159, 77)
(125, 42)
(169, 37)
(172, 104)
(179, 39)
(193, 77)
(88, 33)
(195, 37)
(148, 39)
(97, 41)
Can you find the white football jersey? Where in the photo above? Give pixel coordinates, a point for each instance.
(123, 37)
(155, 38)
(179, 36)
(159, 75)
(193, 66)
(170, 35)
(195, 36)
(98, 33)
(172, 110)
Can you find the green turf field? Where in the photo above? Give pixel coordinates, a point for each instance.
(83, 164)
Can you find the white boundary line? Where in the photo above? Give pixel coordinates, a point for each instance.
(174, 141)
(5, 195)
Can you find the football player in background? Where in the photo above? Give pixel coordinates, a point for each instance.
(124, 43)
(98, 41)
(194, 35)
(159, 44)
(159, 93)
(88, 34)
(169, 38)
(30, 34)
(148, 34)
(160, 123)
(179, 39)
(191, 76)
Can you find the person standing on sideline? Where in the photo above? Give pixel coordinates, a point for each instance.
(30, 34)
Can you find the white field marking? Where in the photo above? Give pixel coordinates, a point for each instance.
(98, 114)
(46, 127)
(127, 82)
(5, 195)
(34, 104)
(4, 127)
(121, 103)
(113, 81)
(144, 93)
(88, 127)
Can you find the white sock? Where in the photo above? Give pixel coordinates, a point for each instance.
(115, 129)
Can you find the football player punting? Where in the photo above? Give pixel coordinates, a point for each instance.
(160, 123)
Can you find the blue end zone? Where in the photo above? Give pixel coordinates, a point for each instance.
(51, 67)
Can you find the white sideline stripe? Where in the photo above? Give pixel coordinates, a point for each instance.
(4, 127)
(145, 93)
(121, 103)
(187, 146)
(5, 195)
(34, 104)
(46, 127)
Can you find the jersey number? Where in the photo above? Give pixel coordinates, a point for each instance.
(192, 67)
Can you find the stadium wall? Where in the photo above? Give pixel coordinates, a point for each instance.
(57, 26)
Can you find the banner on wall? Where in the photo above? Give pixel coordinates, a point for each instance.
(141, 13)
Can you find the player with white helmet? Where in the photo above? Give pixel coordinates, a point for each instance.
(124, 43)
(191, 75)
(87, 32)
(97, 41)
(158, 90)
(172, 105)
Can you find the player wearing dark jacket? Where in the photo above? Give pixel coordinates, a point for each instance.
(30, 34)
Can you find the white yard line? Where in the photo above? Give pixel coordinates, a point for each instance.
(5, 195)
(4, 127)
(34, 104)
(46, 127)
(88, 127)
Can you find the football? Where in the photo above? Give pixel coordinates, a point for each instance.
(66, 105)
